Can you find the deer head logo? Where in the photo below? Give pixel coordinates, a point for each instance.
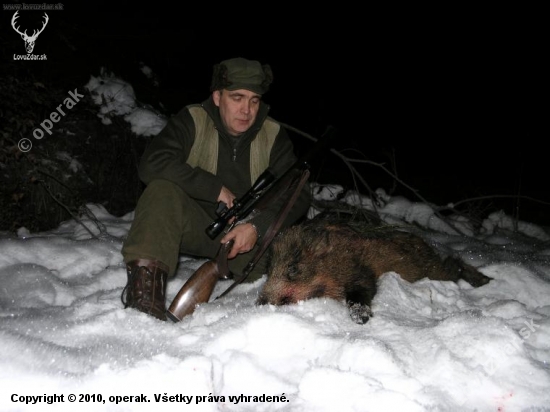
(29, 40)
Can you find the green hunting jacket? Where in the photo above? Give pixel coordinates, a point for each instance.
(166, 158)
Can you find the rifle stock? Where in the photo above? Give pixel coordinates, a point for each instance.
(195, 291)
(198, 288)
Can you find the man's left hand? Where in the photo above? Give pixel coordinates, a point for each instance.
(244, 238)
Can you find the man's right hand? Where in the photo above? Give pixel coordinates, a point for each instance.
(226, 196)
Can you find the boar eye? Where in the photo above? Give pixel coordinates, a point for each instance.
(292, 271)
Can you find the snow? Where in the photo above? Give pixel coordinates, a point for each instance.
(430, 346)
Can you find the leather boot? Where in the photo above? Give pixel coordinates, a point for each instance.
(146, 287)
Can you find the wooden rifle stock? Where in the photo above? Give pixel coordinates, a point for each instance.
(200, 285)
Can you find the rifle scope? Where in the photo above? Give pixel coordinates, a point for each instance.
(243, 204)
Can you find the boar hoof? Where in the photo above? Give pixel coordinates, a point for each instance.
(359, 313)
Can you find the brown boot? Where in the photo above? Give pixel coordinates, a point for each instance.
(146, 287)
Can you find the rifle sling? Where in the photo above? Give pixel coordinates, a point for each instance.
(291, 193)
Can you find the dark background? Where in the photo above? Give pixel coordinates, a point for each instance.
(453, 98)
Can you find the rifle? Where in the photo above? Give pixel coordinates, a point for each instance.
(267, 187)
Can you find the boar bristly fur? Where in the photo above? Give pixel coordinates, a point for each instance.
(342, 260)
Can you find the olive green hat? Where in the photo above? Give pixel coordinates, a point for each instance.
(239, 73)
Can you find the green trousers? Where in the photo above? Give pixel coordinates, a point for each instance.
(168, 222)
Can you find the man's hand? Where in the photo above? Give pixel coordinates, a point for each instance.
(226, 196)
(244, 237)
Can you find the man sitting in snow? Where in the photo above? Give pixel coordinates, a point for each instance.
(207, 153)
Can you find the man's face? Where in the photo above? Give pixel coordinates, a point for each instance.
(238, 109)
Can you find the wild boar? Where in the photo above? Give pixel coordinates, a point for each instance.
(342, 259)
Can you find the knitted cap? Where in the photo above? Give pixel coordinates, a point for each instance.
(239, 73)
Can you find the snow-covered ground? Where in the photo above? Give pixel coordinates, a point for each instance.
(431, 346)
